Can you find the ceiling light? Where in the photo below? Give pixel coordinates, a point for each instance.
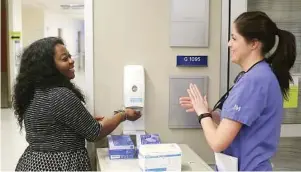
(72, 6)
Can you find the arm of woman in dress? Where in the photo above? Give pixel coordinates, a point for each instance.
(69, 110)
(110, 124)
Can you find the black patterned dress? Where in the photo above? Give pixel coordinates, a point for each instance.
(57, 125)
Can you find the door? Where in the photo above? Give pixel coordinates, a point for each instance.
(230, 10)
(5, 101)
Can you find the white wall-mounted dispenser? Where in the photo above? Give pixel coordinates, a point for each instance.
(134, 97)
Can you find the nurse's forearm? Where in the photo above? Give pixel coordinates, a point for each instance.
(210, 129)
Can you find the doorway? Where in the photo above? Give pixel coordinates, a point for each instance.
(35, 29)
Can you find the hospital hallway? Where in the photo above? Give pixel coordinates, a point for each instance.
(144, 55)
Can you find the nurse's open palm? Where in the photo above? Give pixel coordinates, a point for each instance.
(185, 102)
(199, 103)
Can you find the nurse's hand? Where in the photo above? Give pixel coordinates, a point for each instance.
(185, 102)
(199, 103)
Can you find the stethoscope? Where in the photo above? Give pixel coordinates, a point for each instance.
(220, 102)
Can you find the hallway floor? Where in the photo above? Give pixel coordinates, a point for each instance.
(13, 141)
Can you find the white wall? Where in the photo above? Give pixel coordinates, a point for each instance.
(39, 23)
(32, 24)
(69, 27)
(137, 32)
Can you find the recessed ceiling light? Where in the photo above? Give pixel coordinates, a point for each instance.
(72, 6)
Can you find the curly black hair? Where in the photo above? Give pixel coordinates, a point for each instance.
(38, 70)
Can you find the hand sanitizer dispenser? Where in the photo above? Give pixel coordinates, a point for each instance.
(134, 97)
(134, 86)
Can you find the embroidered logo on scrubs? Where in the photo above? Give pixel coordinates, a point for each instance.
(236, 108)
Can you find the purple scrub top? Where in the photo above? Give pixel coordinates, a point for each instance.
(256, 102)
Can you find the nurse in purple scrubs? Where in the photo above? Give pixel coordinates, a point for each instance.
(249, 121)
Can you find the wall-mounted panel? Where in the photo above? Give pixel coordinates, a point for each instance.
(178, 85)
(189, 26)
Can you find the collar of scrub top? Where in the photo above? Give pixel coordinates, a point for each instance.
(220, 102)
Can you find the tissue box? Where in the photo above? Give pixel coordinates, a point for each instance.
(160, 157)
(121, 147)
(146, 139)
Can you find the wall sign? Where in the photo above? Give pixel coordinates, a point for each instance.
(192, 61)
(15, 35)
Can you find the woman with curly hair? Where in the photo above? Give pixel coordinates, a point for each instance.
(51, 107)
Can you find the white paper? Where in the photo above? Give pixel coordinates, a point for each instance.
(225, 162)
(156, 157)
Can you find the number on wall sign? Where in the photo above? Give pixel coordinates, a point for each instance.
(195, 59)
(192, 61)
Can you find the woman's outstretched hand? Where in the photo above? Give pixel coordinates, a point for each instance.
(198, 102)
(132, 115)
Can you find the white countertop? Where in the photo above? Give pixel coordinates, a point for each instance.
(190, 161)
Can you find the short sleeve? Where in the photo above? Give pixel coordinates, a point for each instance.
(68, 109)
(245, 102)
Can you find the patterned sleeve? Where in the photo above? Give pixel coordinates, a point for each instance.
(68, 109)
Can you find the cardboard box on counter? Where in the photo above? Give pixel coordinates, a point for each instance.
(121, 147)
(160, 157)
(145, 139)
